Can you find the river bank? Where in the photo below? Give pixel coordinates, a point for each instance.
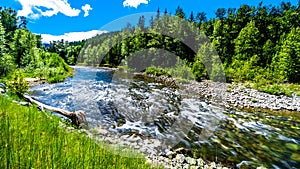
(238, 96)
(33, 139)
(104, 98)
(233, 95)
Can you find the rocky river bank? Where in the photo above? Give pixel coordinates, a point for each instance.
(246, 128)
(234, 95)
(238, 96)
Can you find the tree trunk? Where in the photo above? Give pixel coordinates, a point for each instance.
(77, 117)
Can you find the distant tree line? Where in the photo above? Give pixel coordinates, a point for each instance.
(69, 51)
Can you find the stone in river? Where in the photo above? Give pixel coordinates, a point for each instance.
(2, 85)
(179, 158)
(170, 154)
(191, 161)
(295, 157)
(2, 90)
(292, 146)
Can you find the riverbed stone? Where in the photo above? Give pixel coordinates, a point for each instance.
(191, 161)
(2, 85)
(180, 158)
(170, 154)
(200, 162)
(186, 166)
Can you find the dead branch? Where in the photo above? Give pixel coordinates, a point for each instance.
(77, 117)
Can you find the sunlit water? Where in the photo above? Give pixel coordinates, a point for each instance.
(128, 105)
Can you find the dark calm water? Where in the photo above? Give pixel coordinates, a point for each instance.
(126, 105)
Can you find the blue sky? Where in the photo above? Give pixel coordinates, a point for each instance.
(83, 18)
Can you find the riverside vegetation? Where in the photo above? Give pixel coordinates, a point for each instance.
(30, 138)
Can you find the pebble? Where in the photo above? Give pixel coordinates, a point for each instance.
(2, 90)
(239, 96)
(190, 160)
(2, 85)
(179, 158)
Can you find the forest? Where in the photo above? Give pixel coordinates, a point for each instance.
(258, 46)
(22, 54)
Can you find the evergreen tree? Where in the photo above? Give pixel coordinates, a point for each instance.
(246, 44)
(192, 18)
(179, 12)
(287, 63)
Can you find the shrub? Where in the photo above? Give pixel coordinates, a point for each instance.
(17, 82)
(156, 71)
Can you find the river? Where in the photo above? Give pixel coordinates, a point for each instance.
(124, 105)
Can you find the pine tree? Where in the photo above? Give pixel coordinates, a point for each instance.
(246, 44)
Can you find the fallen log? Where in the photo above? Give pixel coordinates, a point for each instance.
(77, 117)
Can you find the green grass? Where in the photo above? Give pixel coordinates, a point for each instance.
(279, 89)
(33, 139)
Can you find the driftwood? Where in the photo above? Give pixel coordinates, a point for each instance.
(77, 117)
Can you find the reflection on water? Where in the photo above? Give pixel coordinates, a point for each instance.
(154, 110)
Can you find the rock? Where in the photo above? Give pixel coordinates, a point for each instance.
(186, 166)
(102, 132)
(2, 90)
(183, 151)
(179, 158)
(194, 167)
(2, 85)
(170, 154)
(295, 157)
(206, 166)
(31, 80)
(200, 162)
(191, 161)
(292, 146)
(261, 167)
(213, 165)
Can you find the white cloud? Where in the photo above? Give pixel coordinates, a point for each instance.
(134, 3)
(36, 8)
(86, 8)
(71, 36)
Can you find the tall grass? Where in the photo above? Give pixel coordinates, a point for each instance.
(33, 139)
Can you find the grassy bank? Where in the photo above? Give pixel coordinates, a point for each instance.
(33, 139)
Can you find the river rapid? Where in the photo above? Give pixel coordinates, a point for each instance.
(123, 105)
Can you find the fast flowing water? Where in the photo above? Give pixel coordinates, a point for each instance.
(123, 104)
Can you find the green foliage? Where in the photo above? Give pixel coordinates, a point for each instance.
(17, 82)
(181, 70)
(198, 69)
(156, 71)
(56, 70)
(9, 20)
(69, 51)
(287, 62)
(6, 65)
(19, 48)
(24, 47)
(244, 70)
(246, 44)
(33, 139)
(6, 61)
(280, 89)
